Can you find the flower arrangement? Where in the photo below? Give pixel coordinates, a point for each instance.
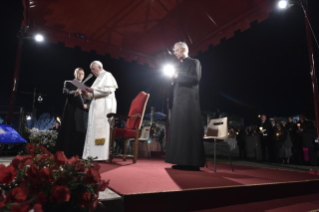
(46, 138)
(45, 182)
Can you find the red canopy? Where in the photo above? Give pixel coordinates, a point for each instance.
(142, 30)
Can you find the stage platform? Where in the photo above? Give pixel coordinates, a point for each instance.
(152, 185)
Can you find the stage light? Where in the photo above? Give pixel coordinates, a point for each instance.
(258, 116)
(169, 70)
(28, 117)
(39, 38)
(283, 4)
(58, 119)
(40, 99)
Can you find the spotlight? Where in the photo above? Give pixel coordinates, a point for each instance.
(28, 117)
(40, 99)
(258, 116)
(169, 70)
(58, 119)
(283, 4)
(39, 38)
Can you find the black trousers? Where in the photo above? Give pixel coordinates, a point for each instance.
(242, 149)
(267, 146)
(263, 143)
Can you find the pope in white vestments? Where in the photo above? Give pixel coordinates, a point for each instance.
(102, 94)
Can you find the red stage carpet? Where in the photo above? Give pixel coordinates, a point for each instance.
(156, 185)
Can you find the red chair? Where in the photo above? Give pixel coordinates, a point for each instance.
(133, 124)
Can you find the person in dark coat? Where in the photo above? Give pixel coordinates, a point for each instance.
(283, 143)
(55, 127)
(265, 132)
(185, 146)
(306, 133)
(271, 147)
(241, 142)
(297, 154)
(73, 126)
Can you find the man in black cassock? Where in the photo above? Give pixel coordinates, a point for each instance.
(265, 131)
(73, 126)
(185, 146)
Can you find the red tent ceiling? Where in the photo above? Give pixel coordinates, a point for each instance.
(142, 30)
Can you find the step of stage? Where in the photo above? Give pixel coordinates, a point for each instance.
(152, 185)
(305, 203)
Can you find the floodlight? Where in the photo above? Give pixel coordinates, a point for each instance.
(283, 4)
(39, 38)
(169, 70)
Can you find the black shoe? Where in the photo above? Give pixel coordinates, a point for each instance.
(186, 168)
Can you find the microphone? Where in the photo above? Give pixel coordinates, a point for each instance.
(87, 78)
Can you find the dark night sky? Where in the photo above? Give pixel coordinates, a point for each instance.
(265, 67)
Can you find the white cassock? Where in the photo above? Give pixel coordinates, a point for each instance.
(98, 131)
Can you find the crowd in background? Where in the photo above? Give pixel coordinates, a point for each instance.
(291, 141)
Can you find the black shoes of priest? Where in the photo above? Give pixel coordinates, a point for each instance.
(186, 168)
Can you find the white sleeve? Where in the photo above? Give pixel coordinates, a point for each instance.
(102, 91)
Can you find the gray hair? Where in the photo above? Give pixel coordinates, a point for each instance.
(182, 45)
(98, 63)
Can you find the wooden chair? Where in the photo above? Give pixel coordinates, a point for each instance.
(217, 131)
(133, 124)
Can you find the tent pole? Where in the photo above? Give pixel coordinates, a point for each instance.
(312, 65)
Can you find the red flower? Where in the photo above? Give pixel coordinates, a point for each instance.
(17, 194)
(29, 162)
(60, 158)
(41, 198)
(43, 150)
(25, 160)
(46, 175)
(30, 148)
(37, 208)
(44, 157)
(96, 165)
(92, 176)
(74, 159)
(60, 194)
(80, 168)
(61, 181)
(101, 186)
(94, 203)
(33, 173)
(84, 199)
(7, 174)
(15, 162)
(20, 208)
